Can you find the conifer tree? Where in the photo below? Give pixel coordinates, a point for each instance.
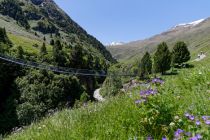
(43, 49)
(52, 42)
(146, 66)
(162, 58)
(180, 53)
(20, 52)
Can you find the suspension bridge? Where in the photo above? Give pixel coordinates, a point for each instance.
(62, 70)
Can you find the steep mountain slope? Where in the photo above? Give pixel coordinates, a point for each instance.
(39, 31)
(38, 18)
(195, 34)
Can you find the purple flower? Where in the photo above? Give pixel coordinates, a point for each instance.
(207, 122)
(157, 81)
(199, 136)
(149, 138)
(164, 138)
(148, 92)
(198, 122)
(191, 117)
(193, 138)
(178, 132)
(205, 118)
(187, 114)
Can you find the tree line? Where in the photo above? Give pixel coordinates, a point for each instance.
(163, 59)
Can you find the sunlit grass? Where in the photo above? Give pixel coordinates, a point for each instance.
(28, 44)
(120, 118)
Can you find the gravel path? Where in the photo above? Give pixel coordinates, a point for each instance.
(201, 57)
(97, 95)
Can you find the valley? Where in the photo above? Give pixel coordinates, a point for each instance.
(58, 82)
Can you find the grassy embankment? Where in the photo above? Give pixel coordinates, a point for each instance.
(121, 118)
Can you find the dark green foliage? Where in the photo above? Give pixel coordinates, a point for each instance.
(8, 117)
(162, 58)
(43, 49)
(112, 86)
(76, 57)
(58, 54)
(20, 52)
(45, 27)
(12, 8)
(44, 38)
(52, 42)
(3, 37)
(37, 2)
(180, 53)
(145, 66)
(42, 91)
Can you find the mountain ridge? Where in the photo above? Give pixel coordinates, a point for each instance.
(184, 33)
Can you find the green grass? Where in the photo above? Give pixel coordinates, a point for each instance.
(120, 118)
(27, 43)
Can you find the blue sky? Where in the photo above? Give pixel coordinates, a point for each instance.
(129, 20)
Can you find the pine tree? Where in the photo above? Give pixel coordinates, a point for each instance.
(3, 37)
(44, 38)
(162, 58)
(20, 52)
(180, 53)
(43, 49)
(52, 42)
(146, 66)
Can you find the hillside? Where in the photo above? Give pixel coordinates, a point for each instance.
(180, 110)
(197, 37)
(38, 31)
(38, 18)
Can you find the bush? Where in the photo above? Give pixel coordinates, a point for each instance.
(42, 91)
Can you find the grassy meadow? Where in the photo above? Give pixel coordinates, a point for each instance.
(180, 109)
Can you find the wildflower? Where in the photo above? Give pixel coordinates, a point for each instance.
(178, 133)
(140, 101)
(198, 122)
(149, 138)
(172, 124)
(207, 122)
(205, 117)
(164, 138)
(191, 117)
(157, 81)
(198, 136)
(148, 92)
(187, 114)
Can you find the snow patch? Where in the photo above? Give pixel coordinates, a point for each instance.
(191, 24)
(115, 44)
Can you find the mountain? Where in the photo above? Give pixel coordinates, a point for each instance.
(40, 32)
(38, 18)
(115, 43)
(196, 34)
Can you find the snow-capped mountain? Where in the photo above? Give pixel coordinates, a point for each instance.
(191, 24)
(115, 43)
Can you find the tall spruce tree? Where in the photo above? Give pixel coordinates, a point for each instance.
(145, 66)
(180, 53)
(43, 49)
(162, 58)
(20, 52)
